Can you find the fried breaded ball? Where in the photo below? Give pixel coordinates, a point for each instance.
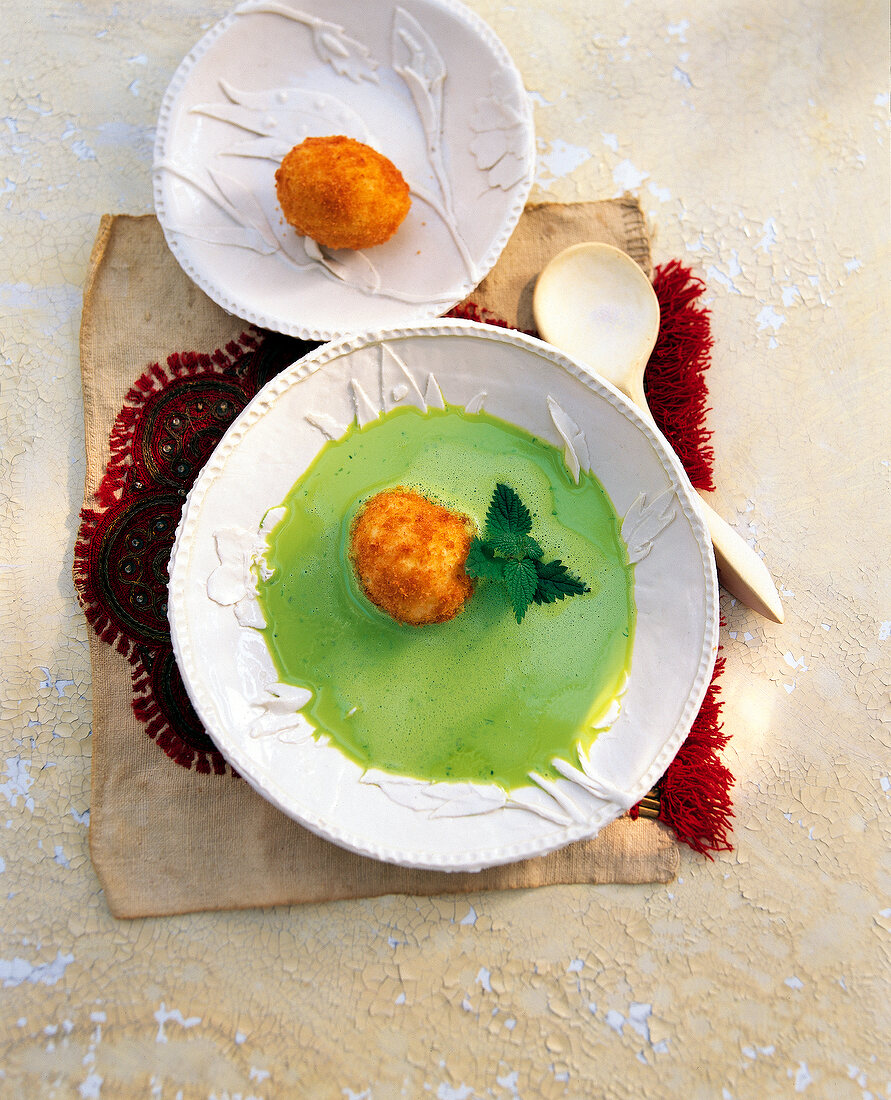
(409, 556)
(342, 193)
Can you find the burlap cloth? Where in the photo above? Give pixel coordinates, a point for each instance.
(168, 840)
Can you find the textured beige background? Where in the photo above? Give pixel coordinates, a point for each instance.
(757, 139)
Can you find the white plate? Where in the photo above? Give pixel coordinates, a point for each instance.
(229, 673)
(426, 83)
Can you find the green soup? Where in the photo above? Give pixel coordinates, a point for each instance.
(480, 697)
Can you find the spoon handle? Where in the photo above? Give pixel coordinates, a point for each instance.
(741, 571)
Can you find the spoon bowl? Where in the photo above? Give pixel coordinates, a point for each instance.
(593, 302)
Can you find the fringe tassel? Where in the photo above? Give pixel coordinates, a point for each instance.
(91, 605)
(146, 709)
(695, 790)
(674, 381)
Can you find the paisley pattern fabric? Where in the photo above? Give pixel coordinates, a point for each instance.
(172, 420)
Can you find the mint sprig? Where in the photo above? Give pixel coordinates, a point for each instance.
(510, 555)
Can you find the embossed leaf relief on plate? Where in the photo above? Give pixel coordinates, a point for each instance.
(277, 707)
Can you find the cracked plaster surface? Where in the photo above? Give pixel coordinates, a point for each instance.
(757, 141)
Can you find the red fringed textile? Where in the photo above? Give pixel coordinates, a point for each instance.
(138, 468)
(694, 793)
(674, 381)
(167, 429)
(695, 790)
(172, 419)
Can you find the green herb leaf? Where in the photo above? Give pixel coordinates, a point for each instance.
(481, 562)
(507, 513)
(521, 581)
(555, 582)
(510, 555)
(515, 546)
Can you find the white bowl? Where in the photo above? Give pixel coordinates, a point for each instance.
(228, 671)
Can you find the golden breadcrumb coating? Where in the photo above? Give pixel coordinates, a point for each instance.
(409, 556)
(342, 193)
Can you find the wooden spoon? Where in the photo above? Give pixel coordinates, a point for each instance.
(593, 302)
